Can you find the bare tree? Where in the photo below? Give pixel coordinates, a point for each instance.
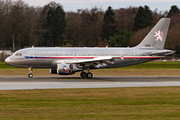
(84, 27)
(125, 18)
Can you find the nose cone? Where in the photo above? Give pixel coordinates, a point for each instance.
(8, 60)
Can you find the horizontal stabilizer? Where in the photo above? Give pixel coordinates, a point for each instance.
(163, 52)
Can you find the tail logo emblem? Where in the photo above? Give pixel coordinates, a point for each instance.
(159, 35)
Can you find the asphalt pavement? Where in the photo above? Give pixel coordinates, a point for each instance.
(47, 82)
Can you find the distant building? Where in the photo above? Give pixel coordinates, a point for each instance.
(4, 54)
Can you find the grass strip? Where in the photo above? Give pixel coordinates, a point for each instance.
(155, 65)
(145, 69)
(3, 65)
(148, 65)
(98, 72)
(160, 103)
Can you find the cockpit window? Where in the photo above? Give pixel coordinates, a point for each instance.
(18, 54)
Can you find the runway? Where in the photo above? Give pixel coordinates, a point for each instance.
(46, 82)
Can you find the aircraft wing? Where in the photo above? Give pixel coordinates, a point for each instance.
(96, 62)
(162, 52)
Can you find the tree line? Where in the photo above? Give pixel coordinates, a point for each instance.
(22, 25)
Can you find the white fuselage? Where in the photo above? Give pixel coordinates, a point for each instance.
(44, 57)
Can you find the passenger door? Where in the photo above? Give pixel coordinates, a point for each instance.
(136, 54)
(31, 54)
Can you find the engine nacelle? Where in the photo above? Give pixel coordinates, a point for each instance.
(66, 69)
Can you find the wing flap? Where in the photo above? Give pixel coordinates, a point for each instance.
(94, 62)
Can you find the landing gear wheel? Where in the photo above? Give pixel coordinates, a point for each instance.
(30, 75)
(83, 74)
(89, 75)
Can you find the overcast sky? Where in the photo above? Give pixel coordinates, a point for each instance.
(73, 5)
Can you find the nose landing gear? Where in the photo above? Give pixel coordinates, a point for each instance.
(30, 75)
(31, 72)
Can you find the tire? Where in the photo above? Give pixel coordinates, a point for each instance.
(30, 75)
(89, 75)
(83, 75)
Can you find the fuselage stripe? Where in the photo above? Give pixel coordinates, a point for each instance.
(126, 57)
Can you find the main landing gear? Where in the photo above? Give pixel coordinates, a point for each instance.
(86, 75)
(31, 72)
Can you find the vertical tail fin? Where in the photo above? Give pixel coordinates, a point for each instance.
(157, 36)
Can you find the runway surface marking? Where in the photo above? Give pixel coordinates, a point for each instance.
(38, 82)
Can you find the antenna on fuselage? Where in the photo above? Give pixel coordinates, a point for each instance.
(33, 46)
(107, 46)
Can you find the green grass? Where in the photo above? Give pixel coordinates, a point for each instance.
(3, 65)
(154, 65)
(160, 103)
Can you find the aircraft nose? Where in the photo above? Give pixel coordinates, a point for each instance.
(7, 60)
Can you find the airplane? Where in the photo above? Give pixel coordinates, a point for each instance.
(69, 60)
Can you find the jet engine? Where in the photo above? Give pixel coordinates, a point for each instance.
(67, 69)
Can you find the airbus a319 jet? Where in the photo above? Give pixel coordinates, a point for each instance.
(69, 60)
